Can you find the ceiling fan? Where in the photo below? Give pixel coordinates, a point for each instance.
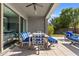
(34, 5)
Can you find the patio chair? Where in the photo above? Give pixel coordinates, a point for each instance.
(25, 38)
(52, 40)
(71, 36)
(37, 40)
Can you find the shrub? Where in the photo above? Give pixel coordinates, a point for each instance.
(50, 30)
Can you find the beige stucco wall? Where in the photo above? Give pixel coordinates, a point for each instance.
(46, 26)
(36, 24)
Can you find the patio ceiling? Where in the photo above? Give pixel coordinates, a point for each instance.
(29, 11)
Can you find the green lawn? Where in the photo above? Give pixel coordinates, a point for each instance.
(58, 35)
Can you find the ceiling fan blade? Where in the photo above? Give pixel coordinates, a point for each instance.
(39, 5)
(28, 5)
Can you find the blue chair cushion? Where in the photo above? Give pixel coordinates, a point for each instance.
(74, 38)
(52, 40)
(26, 40)
(25, 36)
(69, 33)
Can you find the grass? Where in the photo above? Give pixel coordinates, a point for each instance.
(58, 35)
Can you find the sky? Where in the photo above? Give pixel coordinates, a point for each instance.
(57, 11)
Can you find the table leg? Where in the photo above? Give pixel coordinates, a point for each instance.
(46, 43)
(29, 41)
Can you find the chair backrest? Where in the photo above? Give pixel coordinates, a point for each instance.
(52, 39)
(38, 39)
(25, 36)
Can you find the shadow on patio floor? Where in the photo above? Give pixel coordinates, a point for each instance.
(73, 48)
(20, 52)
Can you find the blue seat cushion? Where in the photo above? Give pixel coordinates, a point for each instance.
(74, 38)
(25, 36)
(52, 40)
(70, 35)
(26, 40)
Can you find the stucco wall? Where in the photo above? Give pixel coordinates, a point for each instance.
(36, 24)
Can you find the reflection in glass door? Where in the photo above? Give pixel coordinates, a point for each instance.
(10, 27)
(21, 24)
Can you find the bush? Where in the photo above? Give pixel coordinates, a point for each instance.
(50, 30)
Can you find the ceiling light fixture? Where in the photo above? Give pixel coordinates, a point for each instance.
(34, 5)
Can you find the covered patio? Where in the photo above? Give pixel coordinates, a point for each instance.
(16, 18)
(30, 19)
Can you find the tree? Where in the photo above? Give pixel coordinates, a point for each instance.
(50, 29)
(56, 22)
(75, 18)
(68, 17)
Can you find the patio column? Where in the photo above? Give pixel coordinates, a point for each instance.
(1, 27)
(46, 26)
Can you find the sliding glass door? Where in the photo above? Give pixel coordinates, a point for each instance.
(23, 25)
(10, 27)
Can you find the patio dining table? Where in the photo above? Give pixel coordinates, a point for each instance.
(45, 39)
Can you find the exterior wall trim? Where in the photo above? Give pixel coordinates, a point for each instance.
(54, 6)
(1, 27)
